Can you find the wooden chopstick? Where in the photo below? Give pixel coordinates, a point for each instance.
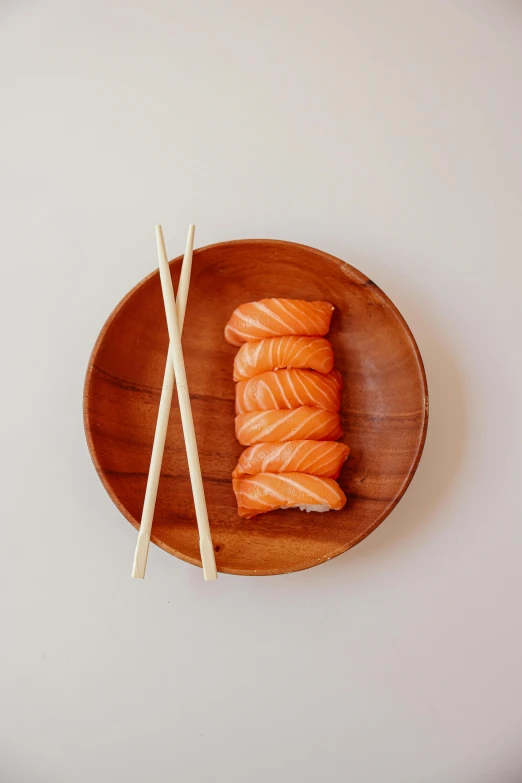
(205, 539)
(158, 447)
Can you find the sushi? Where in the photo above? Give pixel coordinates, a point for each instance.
(317, 457)
(274, 317)
(268, 491)
(288, 398)
(314, 353)
(279, 426)
(289, 389)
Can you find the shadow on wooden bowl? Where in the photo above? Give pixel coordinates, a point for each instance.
(384, 408)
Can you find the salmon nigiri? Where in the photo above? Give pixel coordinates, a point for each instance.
(277, 426)
(318, 457)
(314, 353)
(270, 317)
(289, 389)
(268, 491)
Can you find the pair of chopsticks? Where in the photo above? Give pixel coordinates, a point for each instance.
(175, 369)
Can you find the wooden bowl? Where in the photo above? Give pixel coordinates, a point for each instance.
(384, 409)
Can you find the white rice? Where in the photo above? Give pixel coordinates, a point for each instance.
(310, 507)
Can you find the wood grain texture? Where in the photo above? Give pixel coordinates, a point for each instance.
(384, 408)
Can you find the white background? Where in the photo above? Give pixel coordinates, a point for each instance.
(389, 134)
